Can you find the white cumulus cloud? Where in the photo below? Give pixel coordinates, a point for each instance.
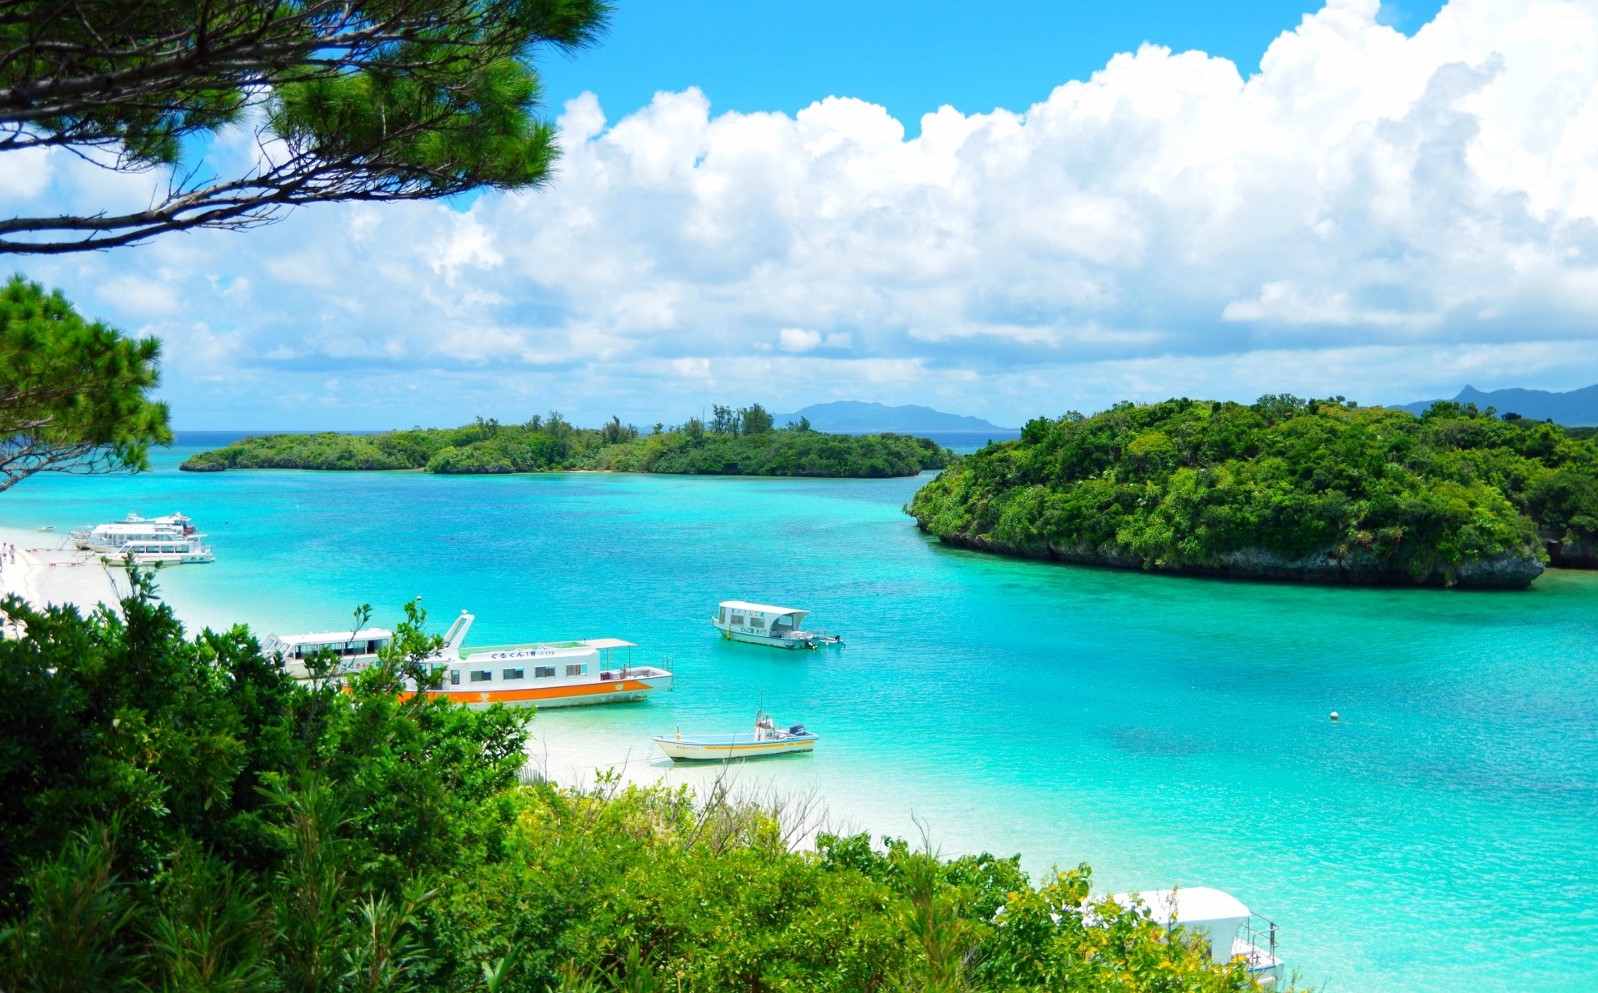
(798, 339)
(1371, 214)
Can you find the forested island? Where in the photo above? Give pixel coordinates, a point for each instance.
(735, 442)
(181, 815)
(1315, 490)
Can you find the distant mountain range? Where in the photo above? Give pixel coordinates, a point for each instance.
(1578, 408)
(858, 417)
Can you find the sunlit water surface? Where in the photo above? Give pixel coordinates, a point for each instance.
(1442, 836)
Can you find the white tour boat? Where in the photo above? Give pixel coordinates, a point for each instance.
(763, 624)
(765, 739)
(169, 540)
(1234, 933)
(545, 674)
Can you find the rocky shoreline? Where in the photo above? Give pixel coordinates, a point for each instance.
(1359, 568)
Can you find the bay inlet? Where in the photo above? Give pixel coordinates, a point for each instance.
(1440, 836)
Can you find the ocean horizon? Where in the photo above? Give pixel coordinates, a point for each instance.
(1168, 731)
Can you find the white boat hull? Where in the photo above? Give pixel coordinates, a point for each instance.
(712, 749)
(756, 639)
(158, 558)
(544, 674)
(624, 689)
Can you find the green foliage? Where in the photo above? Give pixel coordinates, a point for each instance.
(1283, 487)
(737, 442)
(74, 396)
(209, 824)
(369, 100)
(777, 453)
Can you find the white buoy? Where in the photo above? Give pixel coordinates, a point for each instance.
(1334, 716)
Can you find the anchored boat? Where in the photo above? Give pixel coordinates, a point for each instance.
(763, 624)
(765, 739)
(169, 540)
(1233, 933)
(542, 674)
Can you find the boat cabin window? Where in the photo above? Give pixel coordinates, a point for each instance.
(482, 675)
(514, 674)
(723, 615)
(757, 622)
(454, 677)
(543, 671)
(576, 670)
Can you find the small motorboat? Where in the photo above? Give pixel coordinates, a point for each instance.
(765, 739)
(764, 624)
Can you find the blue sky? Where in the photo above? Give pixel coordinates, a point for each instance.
(1005, 210)
(909, 56)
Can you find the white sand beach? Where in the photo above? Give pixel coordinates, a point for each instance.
(47, 570)
(43, 568)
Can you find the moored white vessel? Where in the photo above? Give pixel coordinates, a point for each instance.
(542, 674)
(1233, 932)
(168, 540)
(765, 739)
(764, 624)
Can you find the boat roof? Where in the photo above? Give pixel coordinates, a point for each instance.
(331, 637)
(139, 526)
(765, 608)
(1191, 905)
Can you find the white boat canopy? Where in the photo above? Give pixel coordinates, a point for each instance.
(1192, 905)
(764, 609)
(332, 637)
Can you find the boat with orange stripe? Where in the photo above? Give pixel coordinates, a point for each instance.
(537, 674)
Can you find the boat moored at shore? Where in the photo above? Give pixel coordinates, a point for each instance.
(764, 624)
(541, 674)
(1232, 931)
(168, 540)
(765, 739)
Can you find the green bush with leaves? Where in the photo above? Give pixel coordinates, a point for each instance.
(1282, 488)
(182, 816)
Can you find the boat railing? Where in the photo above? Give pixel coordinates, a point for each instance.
(523, 647)
(630, 672)
(815, 637)
(1259, 934)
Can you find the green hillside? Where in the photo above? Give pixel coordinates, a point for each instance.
(736, 443)
(1283, 488)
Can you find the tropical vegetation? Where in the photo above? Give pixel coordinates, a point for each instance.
(1284, 487)
(180, 815)
(74, 394)
(741, 442)
(369, 100)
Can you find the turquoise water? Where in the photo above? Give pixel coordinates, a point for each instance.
(1440, 837)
